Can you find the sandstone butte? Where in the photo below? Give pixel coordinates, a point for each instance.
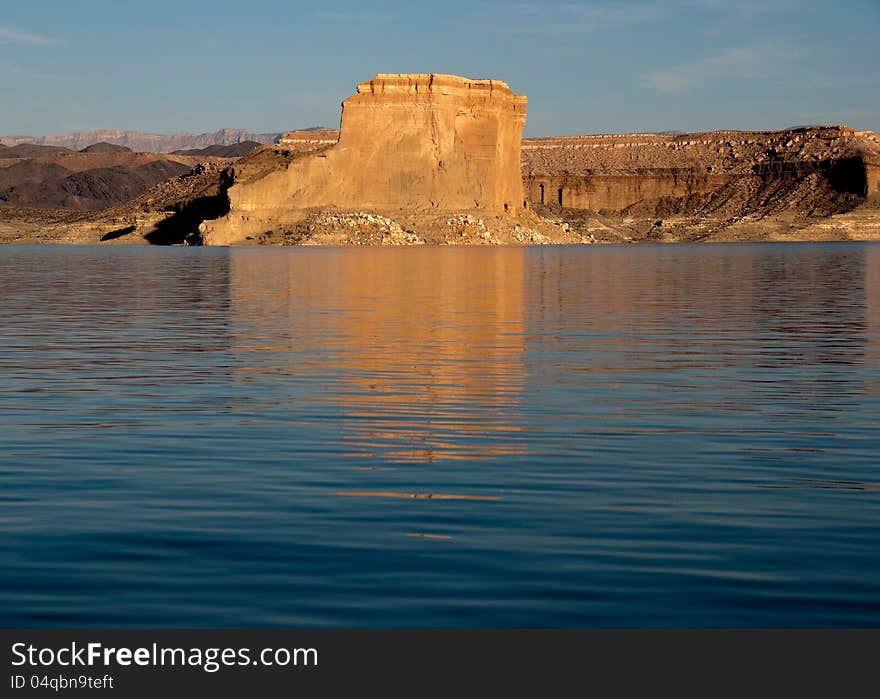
(413, 142)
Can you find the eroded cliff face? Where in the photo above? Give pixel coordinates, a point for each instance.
(813, 170)
(412, 142)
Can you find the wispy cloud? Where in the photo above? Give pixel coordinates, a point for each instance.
(13, 36)
(31, 73)
(743, 63)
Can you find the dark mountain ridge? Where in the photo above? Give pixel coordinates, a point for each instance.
(104, 147)
(235, 150)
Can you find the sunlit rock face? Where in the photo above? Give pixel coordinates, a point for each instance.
(724, 173)
(408, 141)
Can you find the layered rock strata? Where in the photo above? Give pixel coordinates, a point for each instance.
(728, 173)
(413, 142)
(308, 141)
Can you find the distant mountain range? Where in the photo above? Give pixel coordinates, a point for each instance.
(145, 142)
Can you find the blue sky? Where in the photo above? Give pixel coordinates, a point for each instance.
(587, 67)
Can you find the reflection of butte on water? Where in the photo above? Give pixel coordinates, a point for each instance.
(422, 349)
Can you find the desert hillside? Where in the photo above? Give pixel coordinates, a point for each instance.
(101, 175)
(234, 150)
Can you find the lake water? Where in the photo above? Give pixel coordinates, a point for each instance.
(610, 436)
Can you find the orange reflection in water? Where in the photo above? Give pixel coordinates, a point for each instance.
(422, 349)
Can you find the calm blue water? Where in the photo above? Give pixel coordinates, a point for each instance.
(630, 436)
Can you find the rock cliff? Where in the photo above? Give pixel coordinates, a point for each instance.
(413, 142)
(816, 182)
(726, 173)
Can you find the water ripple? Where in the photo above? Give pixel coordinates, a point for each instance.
(585, 436)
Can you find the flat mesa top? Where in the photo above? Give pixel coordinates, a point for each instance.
(394, 82)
